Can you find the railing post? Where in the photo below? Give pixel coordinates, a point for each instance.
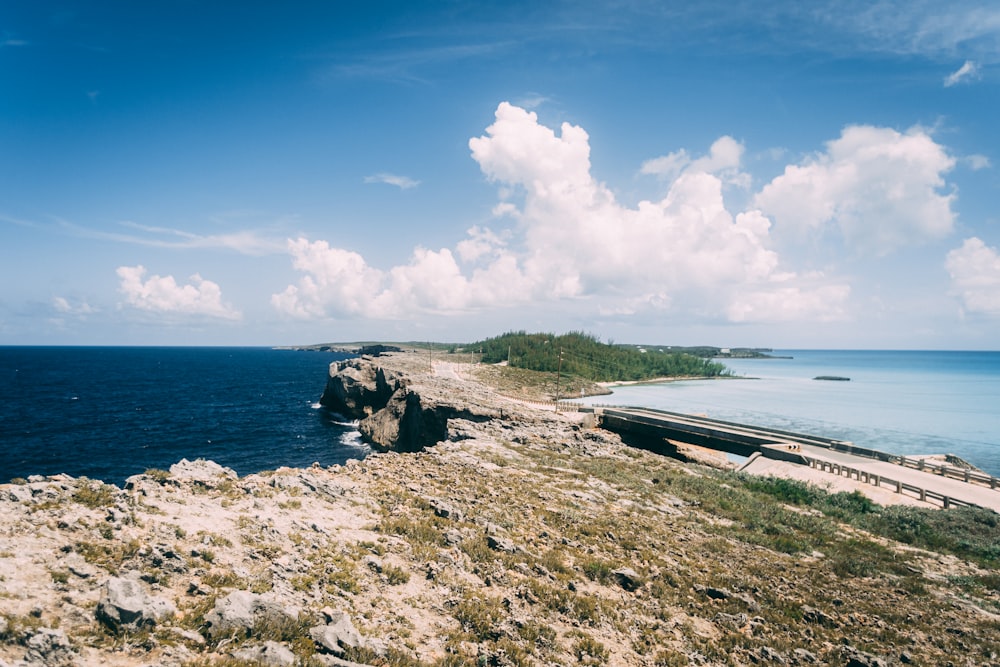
(923, 494)
(945, 503)
(920, 464)
(899, 486)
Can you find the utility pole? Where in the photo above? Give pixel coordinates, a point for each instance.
(558, 378)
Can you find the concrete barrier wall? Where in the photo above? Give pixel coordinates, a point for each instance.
(783, 452)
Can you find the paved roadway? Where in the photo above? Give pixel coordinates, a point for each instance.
(954, 488)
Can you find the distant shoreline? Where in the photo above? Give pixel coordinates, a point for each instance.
(670, 380)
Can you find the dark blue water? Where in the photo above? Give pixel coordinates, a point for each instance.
(903, 402)
(110, 412)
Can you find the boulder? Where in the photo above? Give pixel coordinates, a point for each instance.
(201, 470)
(240, 611)
(501, 544)
(854, 657)
(48, 646)
(125, 604)
(339, 633)
(627, 578)
(268, 654)
(445, 510)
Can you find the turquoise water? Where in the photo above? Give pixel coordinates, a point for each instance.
(903, 402)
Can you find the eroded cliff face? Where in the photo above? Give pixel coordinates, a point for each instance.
(392, 414)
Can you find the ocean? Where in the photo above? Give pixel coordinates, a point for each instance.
(111, 412)
(902, 402)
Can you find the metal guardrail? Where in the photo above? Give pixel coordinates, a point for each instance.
(866, 477)
(963, 474)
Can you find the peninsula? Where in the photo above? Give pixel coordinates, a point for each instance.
(486, 529)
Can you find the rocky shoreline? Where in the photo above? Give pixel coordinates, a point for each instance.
(484, 532)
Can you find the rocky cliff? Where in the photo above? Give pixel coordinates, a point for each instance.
(391, 414)
(522, 537)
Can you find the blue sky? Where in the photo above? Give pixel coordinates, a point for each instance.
(818, 174)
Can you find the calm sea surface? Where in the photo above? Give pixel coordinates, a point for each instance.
(111, 412)
(899, 402)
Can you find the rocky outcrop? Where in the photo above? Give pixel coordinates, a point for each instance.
(357, 388)
(241, 611)
(391, 414)
(125, 604)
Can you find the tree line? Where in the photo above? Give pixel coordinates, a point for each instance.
(583, 355)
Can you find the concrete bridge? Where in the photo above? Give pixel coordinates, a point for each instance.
(946, 486)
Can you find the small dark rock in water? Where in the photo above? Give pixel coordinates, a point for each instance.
(834, 378)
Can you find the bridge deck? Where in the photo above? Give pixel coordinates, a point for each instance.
(873, 466)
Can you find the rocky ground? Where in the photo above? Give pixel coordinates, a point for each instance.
(525, 537)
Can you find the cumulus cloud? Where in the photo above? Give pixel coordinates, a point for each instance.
(684, 254)
(724, 158)
(968, 71)
(401, 182)
(975, 276)
(162, 294)
(879, 187)
(337, 282)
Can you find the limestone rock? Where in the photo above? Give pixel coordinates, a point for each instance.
(268, 654)
(404, 424)
(200, 470)
(857, 658)
(627, 578)
(49, 646)
(357, 388)
(339, 633)
(240, 611)
(501, 544)
(812, 615)
(125, 604)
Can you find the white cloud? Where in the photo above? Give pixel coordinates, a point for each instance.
(975, 276)
(162, 294)
(401, 182)
(968, 71)
(246, 242)
(879, 187)
(683, 255)
(337, 282)
(977, 162)
(79, 308)
(724, 158)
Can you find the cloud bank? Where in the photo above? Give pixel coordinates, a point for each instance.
(162, 294)
(559, 235)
